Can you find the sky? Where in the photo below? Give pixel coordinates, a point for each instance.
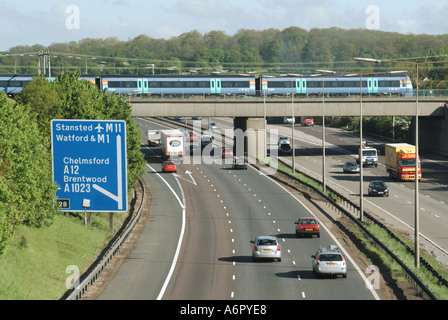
(29, 22)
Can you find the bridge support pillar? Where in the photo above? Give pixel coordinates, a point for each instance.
(250, 137)
(433, 132)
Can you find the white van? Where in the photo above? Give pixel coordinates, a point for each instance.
(289, 120)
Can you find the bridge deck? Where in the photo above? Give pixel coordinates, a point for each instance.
(280, 107)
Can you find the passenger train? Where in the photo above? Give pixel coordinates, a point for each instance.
(185, 86)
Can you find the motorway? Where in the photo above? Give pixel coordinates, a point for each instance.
(196, 243)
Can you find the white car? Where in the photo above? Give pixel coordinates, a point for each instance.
(329, 261)
(288, 120)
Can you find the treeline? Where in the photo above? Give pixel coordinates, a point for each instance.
(27, 189)
(292, 50)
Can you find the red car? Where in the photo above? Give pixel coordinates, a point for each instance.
(193, 137)
(227, 153)
(169, 166)
(307, 226)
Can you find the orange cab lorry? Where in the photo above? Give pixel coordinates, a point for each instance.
(400, 161)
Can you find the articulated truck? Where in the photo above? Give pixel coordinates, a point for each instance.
(172, 145)
(400, 161)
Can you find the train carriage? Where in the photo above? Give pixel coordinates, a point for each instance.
(13, 84)
(343, 86)
(180, 85)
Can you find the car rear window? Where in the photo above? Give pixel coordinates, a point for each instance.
(330, 257)
(267, 242)
(307, 221)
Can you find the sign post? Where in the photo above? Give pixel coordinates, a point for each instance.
(90, 165)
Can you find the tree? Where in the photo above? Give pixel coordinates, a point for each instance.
(27, 190)
(79, 99)
(42, 99)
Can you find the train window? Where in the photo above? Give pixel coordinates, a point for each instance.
(167, 84)
(350, 84)
(314, 84)
(389, 83)
(122, 84)
(203, 84)
(154, 84)
(280, 84)
(179, 84)
(13, 83)
(234, 84)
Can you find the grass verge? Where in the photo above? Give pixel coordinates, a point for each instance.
(34, 267)
(440, 291)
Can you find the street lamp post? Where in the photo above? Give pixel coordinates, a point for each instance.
(293, 121)
(361, 173)
(292, 129)
(323, 127)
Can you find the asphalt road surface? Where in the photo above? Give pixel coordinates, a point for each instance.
(196, 244)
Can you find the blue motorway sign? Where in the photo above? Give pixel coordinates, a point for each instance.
(90, 165)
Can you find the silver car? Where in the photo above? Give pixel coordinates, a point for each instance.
(266, 247)
(329, 261)
(350, 167)
(283, 139)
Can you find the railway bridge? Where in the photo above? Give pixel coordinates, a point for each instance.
(250, 113)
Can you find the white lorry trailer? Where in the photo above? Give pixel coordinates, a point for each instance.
(172, 145)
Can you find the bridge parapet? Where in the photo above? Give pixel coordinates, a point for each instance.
(281, 107)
